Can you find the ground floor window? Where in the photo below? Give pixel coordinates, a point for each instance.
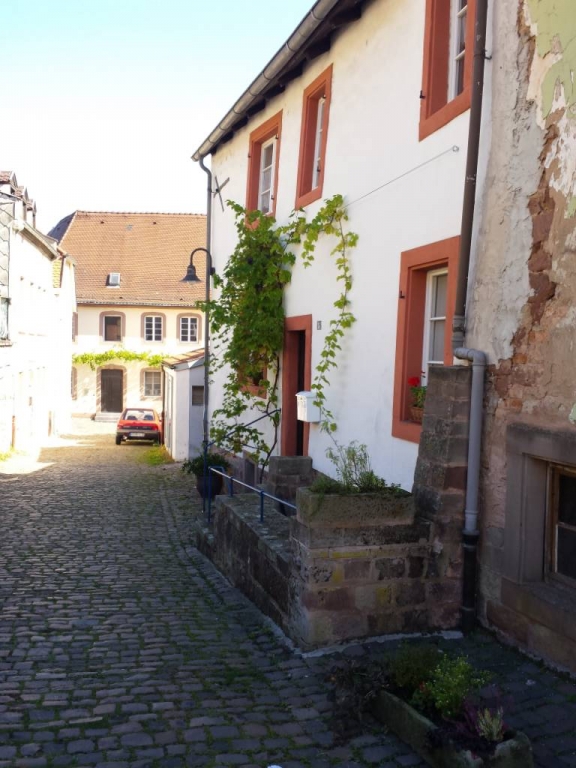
(561, 549)
(152, 384)
(197, 395)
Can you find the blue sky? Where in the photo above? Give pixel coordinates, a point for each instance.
(104, 101)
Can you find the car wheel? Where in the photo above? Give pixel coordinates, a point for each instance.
(118, 439)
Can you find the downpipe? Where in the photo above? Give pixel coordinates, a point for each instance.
(205, 418)
(471, 533)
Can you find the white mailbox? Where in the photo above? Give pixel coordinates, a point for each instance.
(307, 411)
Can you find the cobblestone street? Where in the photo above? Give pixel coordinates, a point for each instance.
(121, 646)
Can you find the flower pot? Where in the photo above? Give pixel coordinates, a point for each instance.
(415, 730)
(416, 414)
(216, 486)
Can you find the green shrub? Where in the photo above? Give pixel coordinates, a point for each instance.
(196, 464)
(490, 724)
(451, 682)
(412, 666)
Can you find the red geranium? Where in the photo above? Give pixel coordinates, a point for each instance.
(414, 381)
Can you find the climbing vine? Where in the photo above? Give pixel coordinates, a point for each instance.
(96, 359)
(247, 319)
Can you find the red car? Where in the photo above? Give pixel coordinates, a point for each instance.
(139, 424)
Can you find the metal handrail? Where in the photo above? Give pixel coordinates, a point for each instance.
(231, 480)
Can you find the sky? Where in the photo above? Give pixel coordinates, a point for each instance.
(104, 101)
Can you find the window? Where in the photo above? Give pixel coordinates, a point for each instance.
(3, 319)
(113, 280)
(425, 311)
(263, 155)
(188, 329)
(197, 395)
(112, 328)
(447, 73)
(434, 320)
(313, 139)
(562, 524)
(153, 328)
(152, 383)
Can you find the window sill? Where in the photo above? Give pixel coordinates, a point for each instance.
(406, 430)
(444, 115)
(309, 197)
(550, 604)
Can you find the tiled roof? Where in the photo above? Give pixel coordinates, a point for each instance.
(151, 251)
(185, 357)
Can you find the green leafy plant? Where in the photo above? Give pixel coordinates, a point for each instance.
(412, 666)
(96, 359)
(451, 682)
(417, 391)
(353, 473)
(247, 320)
(195, 465)
(490, 724)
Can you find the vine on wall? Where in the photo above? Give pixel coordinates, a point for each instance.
(247, 319)
(96, 359)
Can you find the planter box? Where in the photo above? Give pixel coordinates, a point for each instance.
(353, 510)
(414, 730)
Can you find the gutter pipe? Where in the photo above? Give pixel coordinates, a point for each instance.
(476, 357)
(291, 47)
(205, 421)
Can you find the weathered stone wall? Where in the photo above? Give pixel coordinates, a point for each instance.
(523, 299)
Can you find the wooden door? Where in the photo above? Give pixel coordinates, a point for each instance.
(112, 384)
(296, 376)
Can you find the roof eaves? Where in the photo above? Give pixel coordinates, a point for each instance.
(306, 42)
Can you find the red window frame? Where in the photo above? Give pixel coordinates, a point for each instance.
(319, 88)
(272, 127)
(414, 268)
(435, 109)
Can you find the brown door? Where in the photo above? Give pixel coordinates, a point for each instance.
(296, 377)
(112, 383)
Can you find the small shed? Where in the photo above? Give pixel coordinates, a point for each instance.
(183, 403)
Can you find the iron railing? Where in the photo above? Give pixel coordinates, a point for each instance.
(230, 484)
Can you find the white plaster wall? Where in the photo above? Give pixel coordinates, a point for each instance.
(195, 430)
(372, 139)
(86, 401)
(90, 333)
(38, 370)
(183, 421)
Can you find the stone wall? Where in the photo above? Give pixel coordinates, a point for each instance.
(347, 567)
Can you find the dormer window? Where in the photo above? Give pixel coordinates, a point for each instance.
(113, 280)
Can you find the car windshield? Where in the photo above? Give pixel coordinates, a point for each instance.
(135, 415)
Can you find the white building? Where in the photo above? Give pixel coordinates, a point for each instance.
(369, 100)
(37, 305)
(183, 404)
(134, 305)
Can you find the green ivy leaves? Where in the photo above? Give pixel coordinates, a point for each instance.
(96, 359)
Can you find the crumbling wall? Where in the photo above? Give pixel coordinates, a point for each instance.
(522, 307)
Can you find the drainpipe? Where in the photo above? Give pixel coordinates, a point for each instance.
(476, 357)
(205, 422)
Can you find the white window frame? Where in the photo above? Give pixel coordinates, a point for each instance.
(270, 191)
(156, 320)
(429, 320)
(320, 117)
(458, 11)
(553, 524)
(188, 320)
(153, 393)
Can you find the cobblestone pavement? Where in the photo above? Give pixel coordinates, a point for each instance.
(121, 646)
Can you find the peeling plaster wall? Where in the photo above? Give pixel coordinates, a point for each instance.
(522, 308)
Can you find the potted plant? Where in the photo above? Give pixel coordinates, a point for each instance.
(418, 395)
(196, 467)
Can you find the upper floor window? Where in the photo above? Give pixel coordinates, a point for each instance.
(112, 328)
(153, 328)
(188, 330)
(447, 72)
(264, 153)
(3, 318)
(313, 139)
